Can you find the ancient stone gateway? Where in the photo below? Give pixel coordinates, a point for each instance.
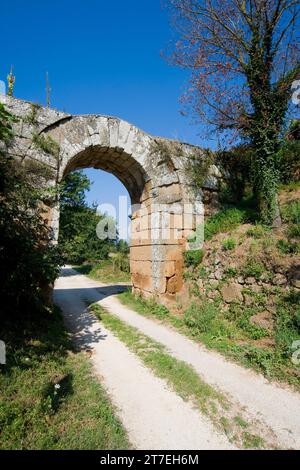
(165, 206)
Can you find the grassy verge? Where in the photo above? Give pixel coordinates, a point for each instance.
(184, 380)
(104, 271)
(48, 396)
(231, 336)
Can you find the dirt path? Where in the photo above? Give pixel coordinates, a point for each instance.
(154, 416)
(276, 406)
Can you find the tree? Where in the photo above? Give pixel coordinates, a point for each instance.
(244, 58)
(29, 262)
(73, 190)
(78, 222)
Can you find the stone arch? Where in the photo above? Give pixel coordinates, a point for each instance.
(152, 181)
(151, 168)
(115, 161)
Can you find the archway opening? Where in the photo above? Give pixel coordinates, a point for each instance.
(113, 160)
(119, 189)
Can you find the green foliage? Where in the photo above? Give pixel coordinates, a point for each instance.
(6, 120)
(31, 117)
(77, 237)
(294, 231)
(236, 165)
(259, 231)
(198, 167)
(291, 186)
(121, 262)
(104, 271)
(291, 215)
(287, 326)
(46, 143)
(290, 155)
(251, 330)
(224, 221)
(225, 330)
(30, 260)
(123, 247)
(290, 161)
(193, 257)
(200, 317)
(291, 212)
(73, 190)
(231, 272)
(34, 414)
(229, 244)
(287, 247)
(253, 268)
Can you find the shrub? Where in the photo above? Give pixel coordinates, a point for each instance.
(46, 143)
(236, 164)
(229, 244)
(291, 215)
(200, 317)
(224, 221)
(290, 161)
(198, 167)
(287, 247)
(29, 262)
(259, 231)
(121, 262)
(291, 212)
(294, 231)
(231, 272)
(193, 257)
(253, 268)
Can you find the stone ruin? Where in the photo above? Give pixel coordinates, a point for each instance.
(166, 207)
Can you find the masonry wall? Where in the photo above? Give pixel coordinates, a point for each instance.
(165, 206)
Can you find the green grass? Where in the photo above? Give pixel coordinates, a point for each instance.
(287, 247)
(258, 231)
(193, 257)
(291, 215)
(104, 271)
(233, 335)
(46, 143)
(292, 186)
(34, 414)
(229, 244)
(224, 221)
(253, 268)
(180, 376)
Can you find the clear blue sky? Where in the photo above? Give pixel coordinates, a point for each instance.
(102, 57)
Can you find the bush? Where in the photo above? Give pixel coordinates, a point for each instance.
(229, 244)
(290, 161)
(224, 221)
(29, 262)
(259, 231)
(253, 268)
(287, 247)
(121, 262)
(193, 257)
(200, 317)
(291, 212)
(198, 167)
(236, 164)
(291, 215)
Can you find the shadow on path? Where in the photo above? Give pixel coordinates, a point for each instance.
(74, 303)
